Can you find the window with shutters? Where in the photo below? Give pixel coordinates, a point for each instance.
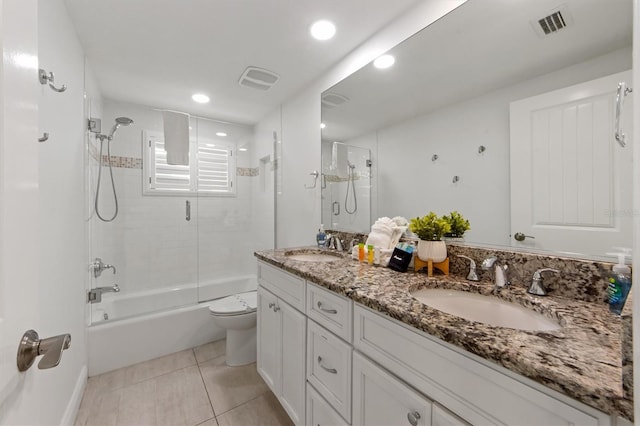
(211, 173)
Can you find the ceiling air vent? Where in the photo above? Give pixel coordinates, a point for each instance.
(556, 20)
(332, 100)
(258, 78)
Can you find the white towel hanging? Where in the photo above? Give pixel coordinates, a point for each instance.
(176, 137)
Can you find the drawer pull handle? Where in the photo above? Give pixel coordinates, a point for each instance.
(329, 311)
(328, 370)
(413, 418)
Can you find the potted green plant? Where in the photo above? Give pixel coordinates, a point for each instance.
(459, 225)
(430, 229)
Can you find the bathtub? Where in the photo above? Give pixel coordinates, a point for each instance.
(152, 323)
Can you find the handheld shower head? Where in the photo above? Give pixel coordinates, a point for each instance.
(120, 121)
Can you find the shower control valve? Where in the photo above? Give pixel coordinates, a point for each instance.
(97, 266)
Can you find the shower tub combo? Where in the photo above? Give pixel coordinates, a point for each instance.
(120, 336)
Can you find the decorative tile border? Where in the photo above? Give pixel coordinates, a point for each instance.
(247, 171)
(122, 162)
(136, 163)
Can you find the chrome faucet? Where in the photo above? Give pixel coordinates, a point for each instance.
(334, 242)
(537, 284)
(472, 275)
(501, 273)
(95, 294)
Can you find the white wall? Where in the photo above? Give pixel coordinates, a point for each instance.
(298, 209)
(63, 270)
(410, 184)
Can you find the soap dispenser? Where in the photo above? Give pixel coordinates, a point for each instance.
(321, 238)
(619, 282)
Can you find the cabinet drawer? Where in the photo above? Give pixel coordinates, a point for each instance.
(329, 367)
(440, 416)
(330, 310)
(474, 391)
(284, 285)
(319, 412)
(379, 399)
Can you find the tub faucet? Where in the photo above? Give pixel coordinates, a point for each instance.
(500, 274)
(97, 266)
(95, 294)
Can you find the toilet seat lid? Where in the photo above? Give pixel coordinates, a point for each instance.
(236, 304)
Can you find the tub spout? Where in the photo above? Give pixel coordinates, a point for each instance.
(95, 294)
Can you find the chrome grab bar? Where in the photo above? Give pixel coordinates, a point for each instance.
(188, 211)
(622, 92)
(328, 370)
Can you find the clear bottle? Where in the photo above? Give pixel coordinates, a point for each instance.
(619, 284)
(321, 237)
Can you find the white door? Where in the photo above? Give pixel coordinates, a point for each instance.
(571, 185)
(19, 97)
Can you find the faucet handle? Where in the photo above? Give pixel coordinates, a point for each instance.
(537, 275)
(537, 287)
(472, 275)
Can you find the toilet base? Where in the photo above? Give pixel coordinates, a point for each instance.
(241, 347)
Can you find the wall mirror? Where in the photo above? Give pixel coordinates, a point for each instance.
(442, 129)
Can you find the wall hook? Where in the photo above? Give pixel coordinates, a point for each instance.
(434, 157)
(481, 149)
(49, 78)
(315, 175)
(44, 138)
(456, 179)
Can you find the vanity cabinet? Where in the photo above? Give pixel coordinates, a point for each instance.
(468, 386)
(281, 338)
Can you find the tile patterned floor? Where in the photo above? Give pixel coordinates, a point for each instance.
(189, 388)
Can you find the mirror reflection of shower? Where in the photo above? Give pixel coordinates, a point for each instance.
(346, 186)
(351, 184)
(120, 121)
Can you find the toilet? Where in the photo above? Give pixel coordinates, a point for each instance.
(237, 315)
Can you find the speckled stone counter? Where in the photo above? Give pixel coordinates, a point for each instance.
(581, 360)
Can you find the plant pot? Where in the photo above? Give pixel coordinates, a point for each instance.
(434, 250)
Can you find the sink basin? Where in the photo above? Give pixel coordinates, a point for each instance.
(312, 257)
(485, 309)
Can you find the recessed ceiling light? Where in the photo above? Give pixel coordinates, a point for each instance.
(384, 61)
(322, 30)
(322, 125)
(221, 134)
(242, 149)
(200, 98)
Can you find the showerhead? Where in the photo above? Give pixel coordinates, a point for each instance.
(120, 121)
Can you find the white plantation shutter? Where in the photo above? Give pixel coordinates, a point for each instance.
(216, 168)
(211, 169)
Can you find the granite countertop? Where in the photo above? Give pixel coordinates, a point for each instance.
(581, 360)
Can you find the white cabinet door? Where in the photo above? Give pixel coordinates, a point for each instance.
(293, 334)
(442, 417)
(381, 399)
(570, 180)
(269, 341)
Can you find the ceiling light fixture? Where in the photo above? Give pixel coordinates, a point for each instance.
(200, 98)
(322, 125)
(322, 30)
(221, 134)
(242, 149)
(384, 61)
